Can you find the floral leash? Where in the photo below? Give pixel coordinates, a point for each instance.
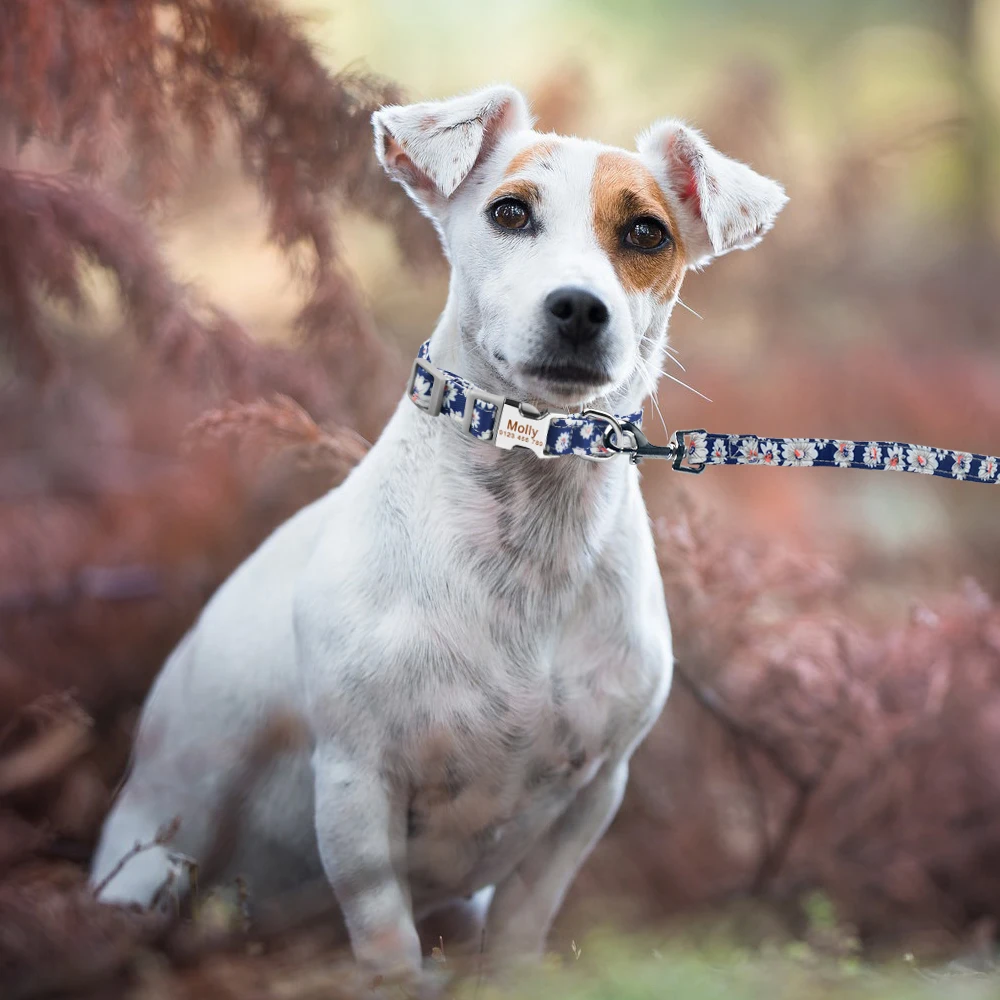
(597, 435)
(693, 451)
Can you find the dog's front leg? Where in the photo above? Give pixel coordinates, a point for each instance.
(526, 902)
(361, 831)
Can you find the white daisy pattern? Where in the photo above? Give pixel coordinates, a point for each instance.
(562, 442)
(919, 458)
(843, 453)
(749, 453)
(891, 455)
(587, 430)
(873, 454)
(485, 426)
(798, 451)
(769, 453)
(894, 460)
(961, 464)
(421, 386)
(696, 447)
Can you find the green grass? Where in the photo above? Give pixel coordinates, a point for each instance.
(610, 967)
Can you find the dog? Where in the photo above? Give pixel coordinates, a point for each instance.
(428, 684)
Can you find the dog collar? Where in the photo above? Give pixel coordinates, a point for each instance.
(510, 424)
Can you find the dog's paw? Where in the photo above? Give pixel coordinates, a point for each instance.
(427, 983)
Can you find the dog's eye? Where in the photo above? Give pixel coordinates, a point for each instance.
(647, 234)
(511, 213)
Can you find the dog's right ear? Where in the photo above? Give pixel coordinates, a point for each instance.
(430, 148)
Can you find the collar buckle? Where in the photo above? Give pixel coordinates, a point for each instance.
(521, 425)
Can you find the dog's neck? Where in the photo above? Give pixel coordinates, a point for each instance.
(534, 526)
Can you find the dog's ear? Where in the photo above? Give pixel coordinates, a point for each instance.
(430, 148)
(722, 204)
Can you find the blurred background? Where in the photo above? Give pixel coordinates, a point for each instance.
(208, 299)
(870, 311)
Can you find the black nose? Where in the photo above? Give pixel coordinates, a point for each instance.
(576, 315)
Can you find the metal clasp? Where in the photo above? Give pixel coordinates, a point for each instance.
(680, 453)
(625, 441)
(628, 439)
(520, 425)
(636, 445)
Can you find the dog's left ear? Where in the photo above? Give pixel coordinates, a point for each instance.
(430, 148)
(722, 204)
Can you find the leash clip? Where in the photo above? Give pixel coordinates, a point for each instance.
(632, 442)
(678, 443)
(629, 439)
(615, 426)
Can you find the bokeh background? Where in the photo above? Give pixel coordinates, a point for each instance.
(208, 296)
(870, 311)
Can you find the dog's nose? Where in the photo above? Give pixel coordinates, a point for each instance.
(577, 315)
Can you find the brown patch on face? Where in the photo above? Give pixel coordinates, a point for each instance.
(622, 191)
(522, 190)
(538, 153)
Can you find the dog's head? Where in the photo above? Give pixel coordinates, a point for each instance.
(567, 255)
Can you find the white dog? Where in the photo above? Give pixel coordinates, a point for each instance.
(461, 646)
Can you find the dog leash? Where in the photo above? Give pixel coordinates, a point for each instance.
(598, 435)
(694, 450)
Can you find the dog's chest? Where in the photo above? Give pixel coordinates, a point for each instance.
(487, 783)
(499, 679)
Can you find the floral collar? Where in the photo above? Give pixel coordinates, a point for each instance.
(509, 424)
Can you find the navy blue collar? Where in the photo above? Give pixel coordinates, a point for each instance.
(509, 424)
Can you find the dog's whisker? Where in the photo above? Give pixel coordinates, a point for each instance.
(656, 406)
(649, 383)
(681, 302)
(648, 340)
(645, 341)
(686, 386)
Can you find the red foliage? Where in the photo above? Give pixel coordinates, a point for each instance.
(802, 747)
(143, 75)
